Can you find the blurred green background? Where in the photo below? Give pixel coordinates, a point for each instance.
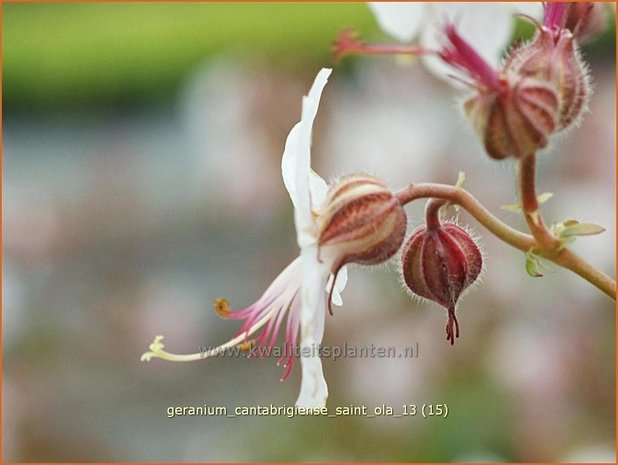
(141, 180)
(104, 53)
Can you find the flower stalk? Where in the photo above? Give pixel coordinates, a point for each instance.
(563, 257)
(530, 205)
(432, 213)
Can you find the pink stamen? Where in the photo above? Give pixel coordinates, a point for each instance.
(281, 299)
(348, 44)
(257, 311)
(289, 311)
(460, 54)
(291, 335)
(555, 14)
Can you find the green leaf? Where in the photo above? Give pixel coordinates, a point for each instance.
(532, 265)
(516, 207)
(461, 178)
(581, 229)
(544, 197)
(512, 208)
(570, 222)
(566, 241)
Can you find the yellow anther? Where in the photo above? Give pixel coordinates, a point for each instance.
(247, 345)
(222, 307)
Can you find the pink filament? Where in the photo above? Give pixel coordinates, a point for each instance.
(460, 54)
(555, 13)
(283, 302)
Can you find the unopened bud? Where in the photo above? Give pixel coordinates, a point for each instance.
(516, 121)
(361, 221)
(553, 58)
(439, 262)
(541, 89)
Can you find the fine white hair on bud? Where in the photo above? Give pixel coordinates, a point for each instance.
(542, 88)
(439, 262)
(360, 221)
(553, 58)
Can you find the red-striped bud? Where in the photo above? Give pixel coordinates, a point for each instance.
(542, 88)
(361, 221)
(517, 121)
(439, 262)
(553, 58)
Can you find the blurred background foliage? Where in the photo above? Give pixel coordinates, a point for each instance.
(141, 179)
(138, 52)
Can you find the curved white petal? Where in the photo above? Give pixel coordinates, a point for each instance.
(296, 161)
(342, 280)
(487, 27)
(317, 186)
(402, 20)
(318, 189)
(313, 388)
(340, 283)
(289, 160)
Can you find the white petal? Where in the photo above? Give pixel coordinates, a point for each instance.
(340, 283)
(296, 161)
(342, 280)
(402, 20)
(313, 388)
(318, 188)
(317, 185)
(487, 27)
(289, 160)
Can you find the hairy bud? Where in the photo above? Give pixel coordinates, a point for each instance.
(361, 221)
(516, 121)
(553, 57)
(439, 261)
(541, 89)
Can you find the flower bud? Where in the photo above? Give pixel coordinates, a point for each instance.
(439, 262)
(516, 121)
(514, 114)
(553, 58)
(361, 221)
(541, 89)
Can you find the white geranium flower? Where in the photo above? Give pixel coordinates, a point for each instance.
(298, 290)
(487, 27)
(357, 219)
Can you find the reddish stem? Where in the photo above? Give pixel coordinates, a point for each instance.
(432, 213)
(524, 242)
(530, 205)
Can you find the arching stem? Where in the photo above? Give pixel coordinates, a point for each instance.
(432, 213)
(524, 242)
